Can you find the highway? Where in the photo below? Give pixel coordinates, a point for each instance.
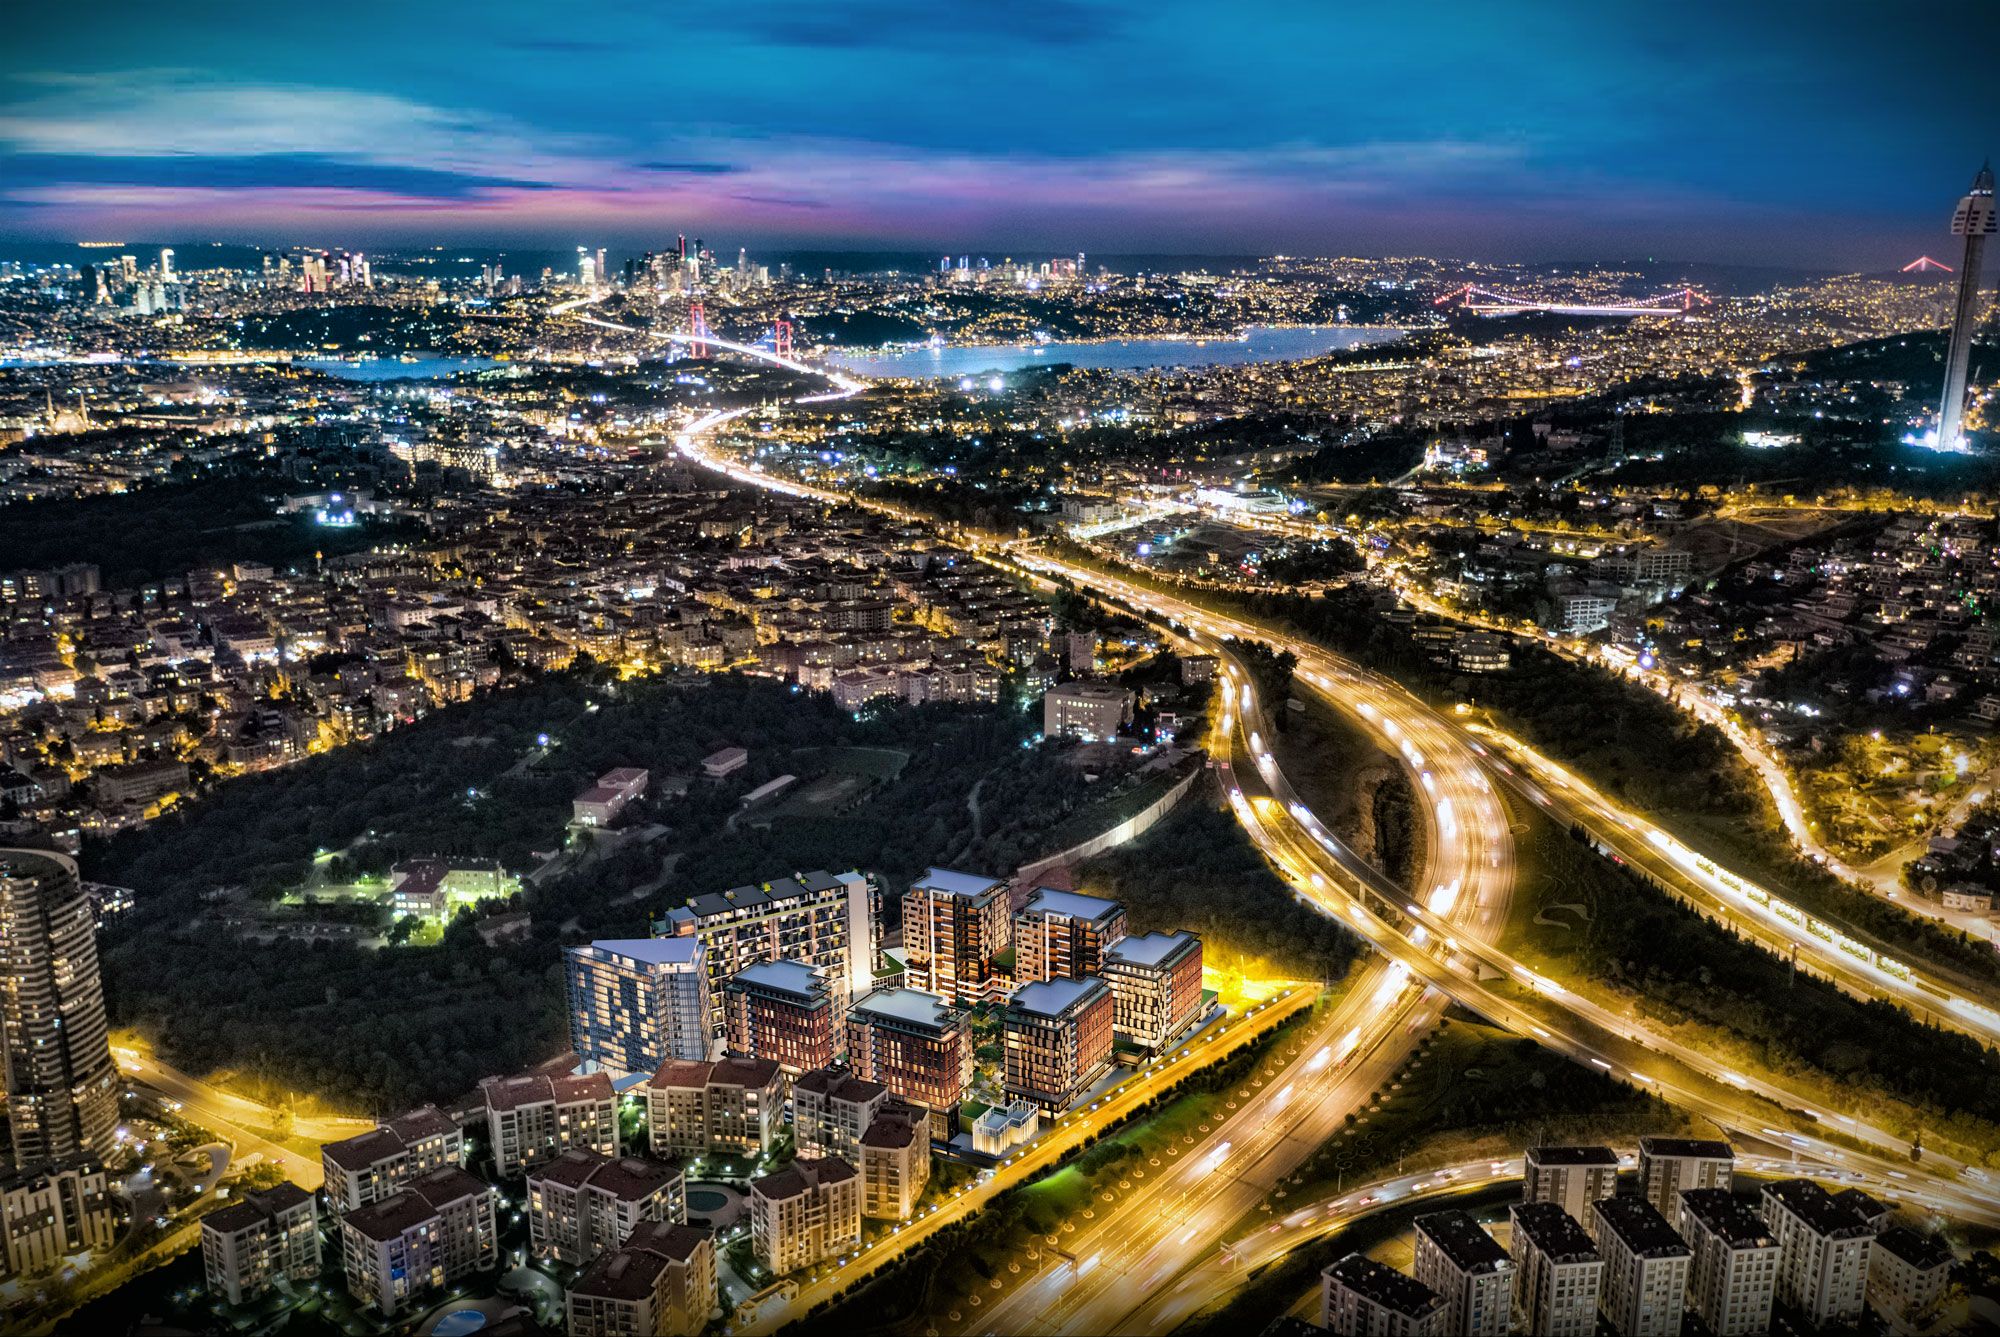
(222, 1112)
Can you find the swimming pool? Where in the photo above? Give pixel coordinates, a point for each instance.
(458, 1323)
(706, 1200)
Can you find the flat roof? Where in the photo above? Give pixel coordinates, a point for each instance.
(1554, 1231)
(1697, 1148)
(1047, 900)
(1729, 1218)
(1923, 1252)
(1573, 1156)
(1640, 1228)
(1150, 949)
(793, 977)
(1052, 998)
(910, 1005)
(1464, 1241)
(956, 884)
(1822, 1212)
(1384, 1285)
(676, 951)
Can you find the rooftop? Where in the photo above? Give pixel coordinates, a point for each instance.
(649, 951)
(1053, 998)
(1822, 1212)
(913, 1006)
(792, 977)
(1573, 1156)
(1076, 905)
(1698, 1148)
(1640, 1228)
(1463, 1241)
(1385, 1286)
(948, 883)
(1920, 1251)
(1554, 1231)
(1150, 949)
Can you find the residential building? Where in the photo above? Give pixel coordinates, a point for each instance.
(917, 1046)
(659, 1283)
(1571, 1177)
(1003, 1127)
(635, 1003)
(954, 925)
(267, 1236)
(601, 804)
(1734, 1272)
(806, 1212)
(1826, 1244)
(433, 888)
(829, 920)
(895, 1163)
(1057, 1037)
(371, 1166)
(735, 1106)
(62, 1089)
(1155, 981)
(1360, 1297)
(1558, 1273)
(49, 1212)
(536, 1117)
(782, 1010)
(831, 1109)
(582, 1203)
(1063, 935)
(1668, 1165)
(1907, 1274)
(437, 1231)
(1646, 1267)
(1463, 1264)
(1090, 711)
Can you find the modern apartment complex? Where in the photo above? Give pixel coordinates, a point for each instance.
(371, 1166)
(807, 1211)
(1734, 1272)
(829, 920)
(1826, 1243)
(1558, 1273)
(917, 1046)
(536, 1117)
(659, 1283)
(782, 1010)
(1360, 1297)
(581, 1203)
(954, 925)
(50, 1212)
(734, 1105)
(1155, 981)
(1646, 1268)
(1571, 1177)
(270, 1234)
(1669, 1165)
(831, 1109)
(1462, 1263)
(1057, 1038)
(438, 1230)
(1064, 935)
(635, 1003)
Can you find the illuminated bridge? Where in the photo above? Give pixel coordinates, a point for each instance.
(1487, 302)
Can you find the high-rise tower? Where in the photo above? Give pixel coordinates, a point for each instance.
(62, 1090)
(1973, 220)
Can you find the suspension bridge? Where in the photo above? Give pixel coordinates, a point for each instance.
(1490, 302)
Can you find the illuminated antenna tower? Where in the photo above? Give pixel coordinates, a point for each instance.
(1975, 221)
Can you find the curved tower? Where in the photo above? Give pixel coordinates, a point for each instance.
(1973, 220)
(62, 1089)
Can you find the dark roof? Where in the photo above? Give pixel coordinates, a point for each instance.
(1554, 1231)
(363, 1150)
(1923, 1252)
(236, 1216)
(802, 1175)
(509, 1093)
(695, 1074)
(420, 1123)
(1825, 1214)
(628, 1273)
(1640, 1228)
(1468, 1246)
(1385, 1286)
(889, 1131)
(447, 1184)
(1707, 1149)
(1573, 1156)
(278, 1198)
(1728, 1217)
(388, 1219)
(838, 1084)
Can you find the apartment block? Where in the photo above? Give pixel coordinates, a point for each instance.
(1057, 1038)
(1669, 1165)
(1558, 1272)
(1907, 1274)
(439, 1229)
(371, 1166)
(895, 1163)
(1734, 1273)
(782, 1010)
(1360, 1297)
(1646, 1266)
(635, 1003)
(267, 1236)
(659, 1283)
(916, 1045)
(1063, 935)
(581, 1203)
(1462, 1263)
(535, 1118)
(831, 1109)
(735, 1106)
(51, 1212)
(954, 925)
(1826, 1244)
(829, 920)
(1571, 1177)
(1155, 981)
(1090, 711)
(806, 1212)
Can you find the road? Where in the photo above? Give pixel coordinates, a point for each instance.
(225, 1113)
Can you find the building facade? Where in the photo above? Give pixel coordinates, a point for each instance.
(372, 1166)
(829, 920)
(660, 1283)
(1669, 1165)
(635, 1003)
(1064, 935)
(49, 1212)
(1646, 1265)
(1360, 1297)
(1057, 1038)
(1463, 1264)
(439, 1229)
(1558, 1273)
(1571, 1177)
(895, 1164)
(916, 1045)
(582, 1203)
(534, 1118)
(1826, 1244)
(954, 925)
(1155, 981)
(251, 1245)
(1734, 1272)
(831, 1109)
(734, 1106)
(808, 1211)
(782, 1010)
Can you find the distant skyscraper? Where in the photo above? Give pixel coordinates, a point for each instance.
(62, 1095)
(167, 254)
(1973, 220)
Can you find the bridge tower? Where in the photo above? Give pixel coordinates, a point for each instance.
(781, 337)
(698, 327)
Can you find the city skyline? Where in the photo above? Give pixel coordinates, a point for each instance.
(1766, 138)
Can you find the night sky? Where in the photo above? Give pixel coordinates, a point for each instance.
(1834, 135)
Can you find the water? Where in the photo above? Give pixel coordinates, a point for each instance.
(1259, 343)
(394, 369)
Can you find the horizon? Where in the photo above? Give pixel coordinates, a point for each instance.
(1092, 125)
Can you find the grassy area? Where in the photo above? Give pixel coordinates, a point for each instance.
(1580, 916)
(1337, 770)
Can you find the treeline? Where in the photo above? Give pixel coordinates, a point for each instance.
(1197, 871)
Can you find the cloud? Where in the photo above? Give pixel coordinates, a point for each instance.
(690, 168)
(256, 171)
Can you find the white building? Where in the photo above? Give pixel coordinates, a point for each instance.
(1826, 1244)
(1670, 1165)
(659, 1283)
(1558, 1273)
(1645, 1268)
(581, 1203)
(1462, 1263)
(1091, 711)
(1571, 1177)
(808, 1211)
(1734, 1273)
(1360, 1297)
(248, 1246)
